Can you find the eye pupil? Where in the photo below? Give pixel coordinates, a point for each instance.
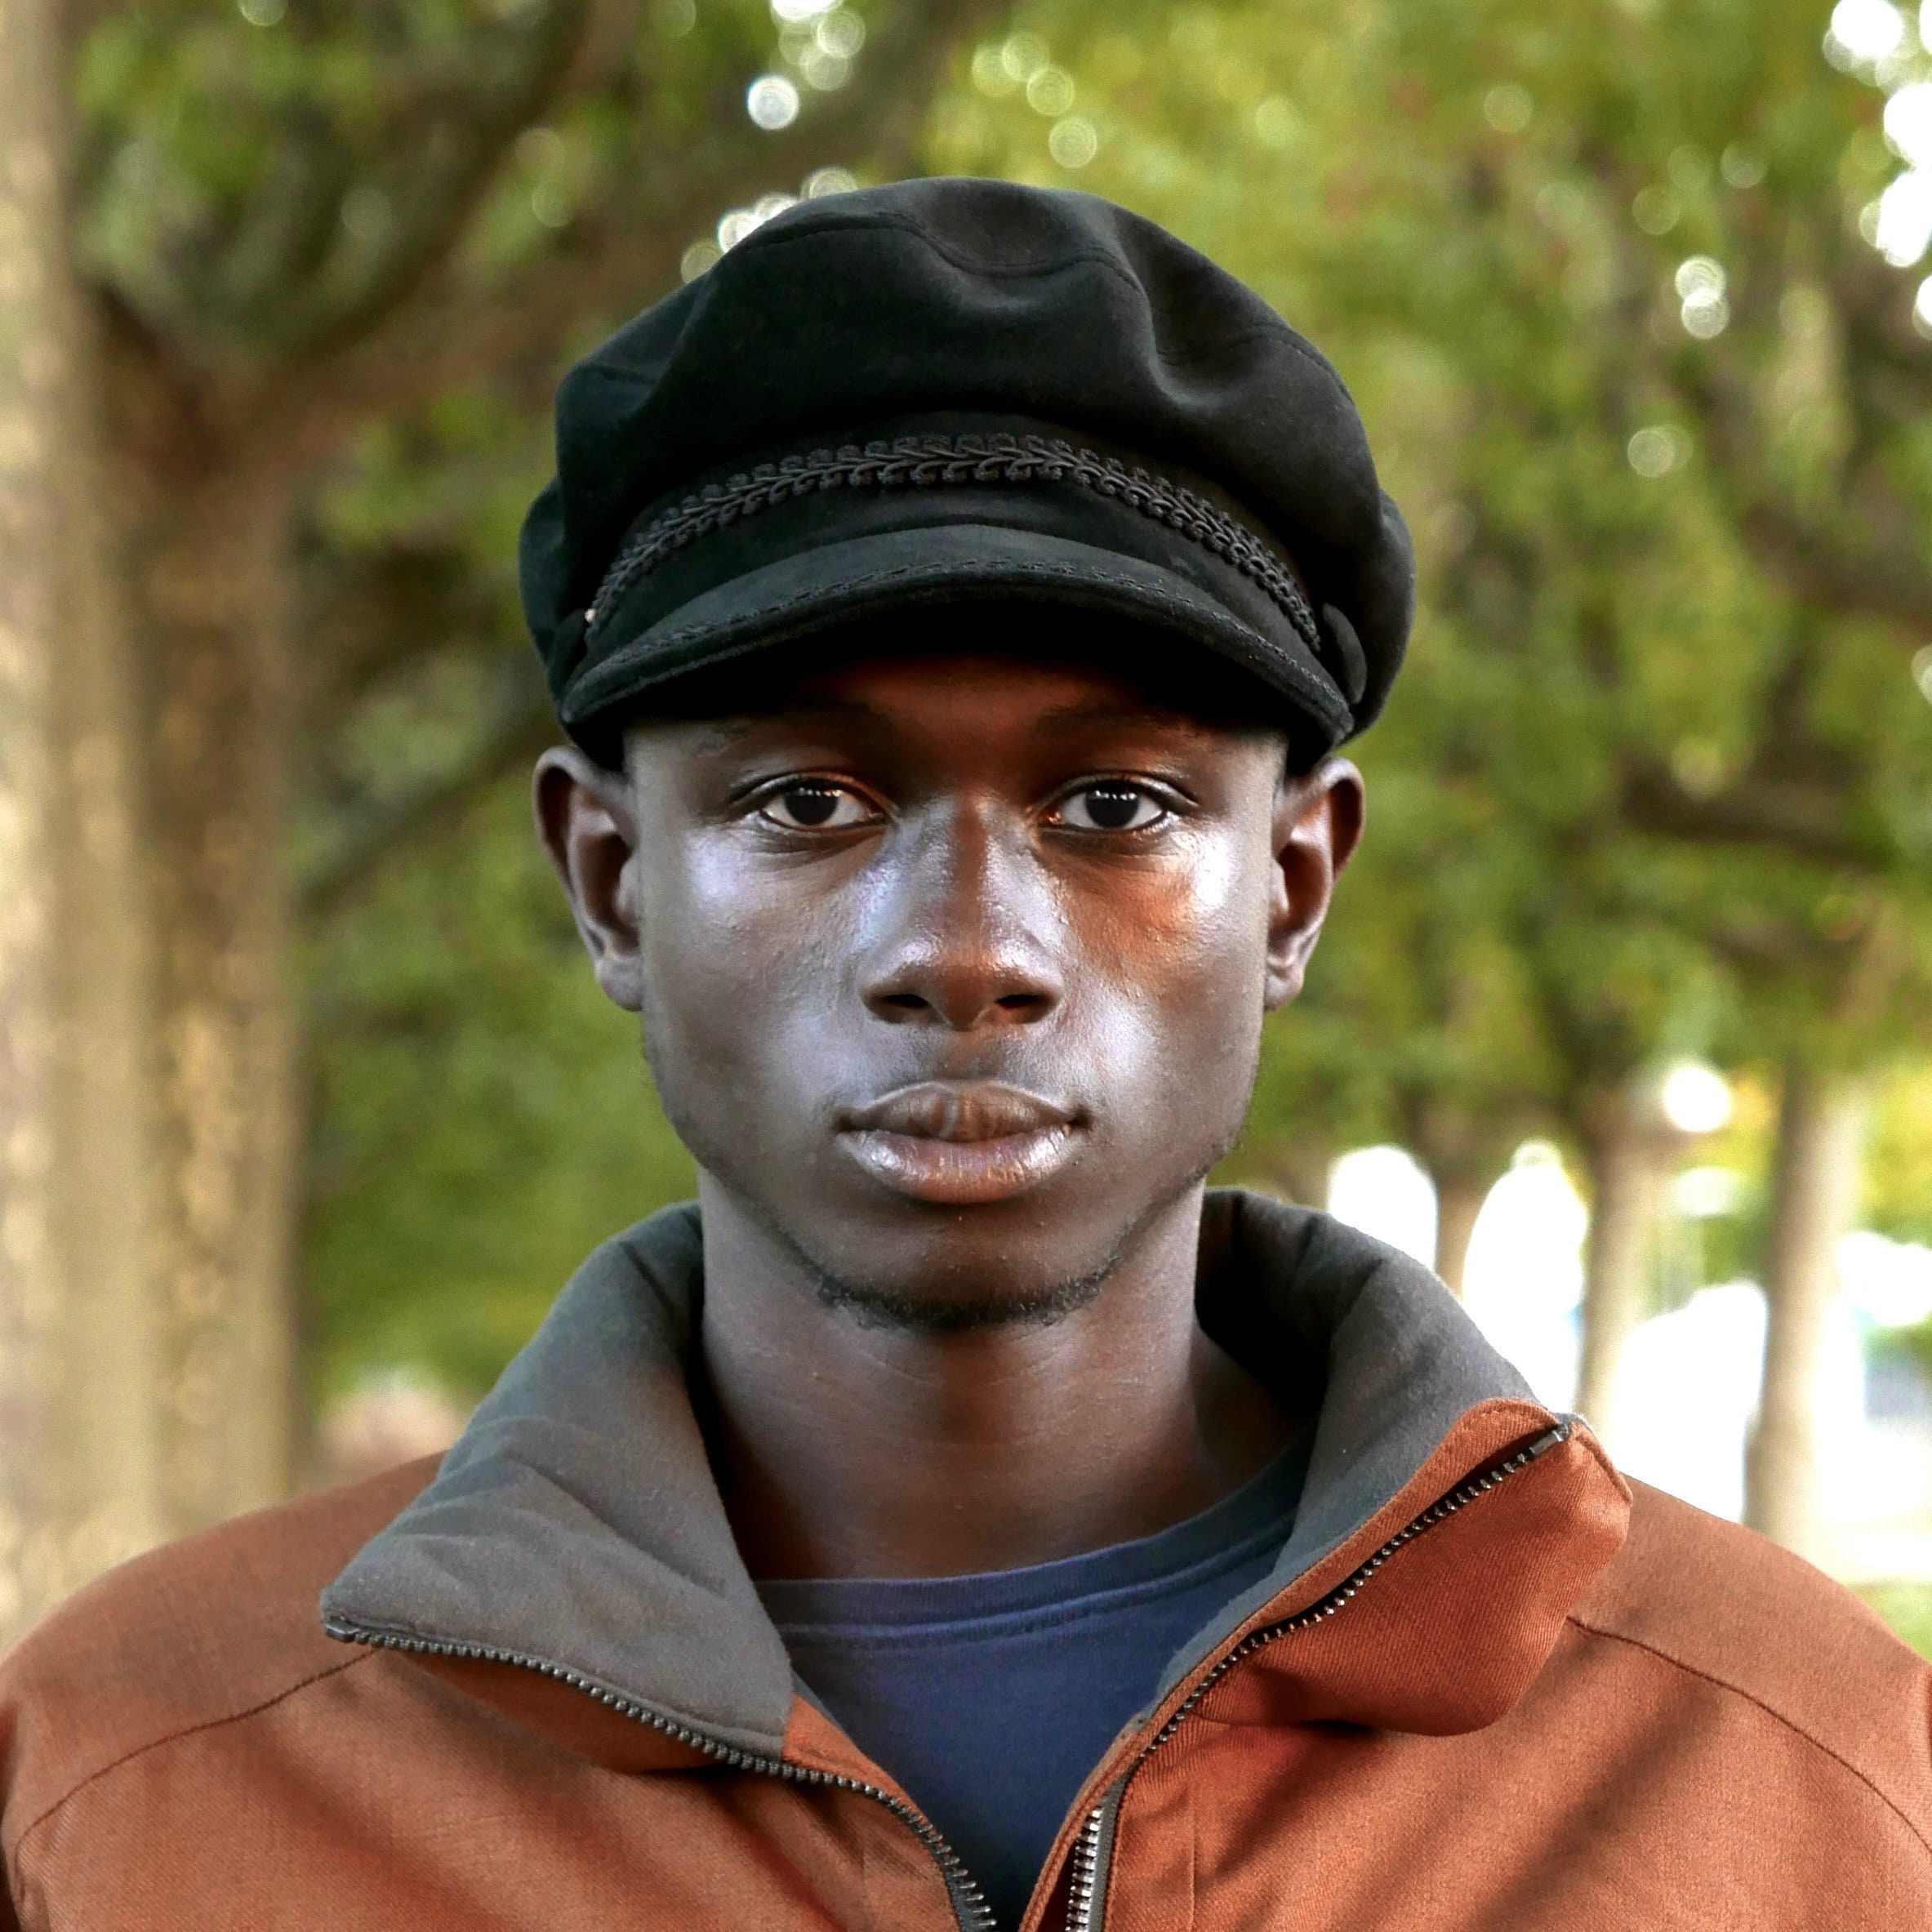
(1113, 807)
(811, 804)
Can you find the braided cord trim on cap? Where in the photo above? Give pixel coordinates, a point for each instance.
(926, 462)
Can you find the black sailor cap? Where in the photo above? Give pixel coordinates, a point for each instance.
(955, 389)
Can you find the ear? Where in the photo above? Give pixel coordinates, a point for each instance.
(1318, 824)
(588, 825)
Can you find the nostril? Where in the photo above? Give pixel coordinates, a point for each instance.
(902, 1002)
(1022, 1003)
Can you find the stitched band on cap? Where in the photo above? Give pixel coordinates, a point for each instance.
(1312, 686)
(925, 462)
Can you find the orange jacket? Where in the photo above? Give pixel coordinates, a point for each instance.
(1467, 1698)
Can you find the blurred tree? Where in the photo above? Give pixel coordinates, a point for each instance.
(484, 1118)
(337, 232)
(1500, 962)
(1898, 1179)
(79, 1486)
(1658, 411)
(1655, 781)
(1419, 1024)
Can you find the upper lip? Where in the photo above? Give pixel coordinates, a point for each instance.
(959, 1111)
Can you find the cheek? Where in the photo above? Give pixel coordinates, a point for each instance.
(725, 955)
(1178, 958)
(1196, 930)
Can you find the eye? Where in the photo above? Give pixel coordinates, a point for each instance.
(1110, 805)
(815, 805)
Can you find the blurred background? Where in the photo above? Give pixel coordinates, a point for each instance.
(308, 1106)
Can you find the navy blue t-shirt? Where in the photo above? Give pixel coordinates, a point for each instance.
(991, 1697)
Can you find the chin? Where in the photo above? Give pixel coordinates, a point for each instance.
(953, 1272)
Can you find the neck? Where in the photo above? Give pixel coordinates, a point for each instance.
(849, 1449)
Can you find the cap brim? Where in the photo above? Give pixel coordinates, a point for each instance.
(830, 586)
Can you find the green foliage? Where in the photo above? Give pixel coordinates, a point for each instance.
(1647, 786)
(261, 180)
(483, 1118)
(345, 247)
(1899, 1175)
(1655, 781)
(1907, 1608)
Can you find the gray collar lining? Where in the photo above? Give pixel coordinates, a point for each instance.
(576, 1525)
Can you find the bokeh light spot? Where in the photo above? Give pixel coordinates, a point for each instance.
(1656, 211)
(1074, 142)
(1742, 165)
(1705, 316)
(1022, 55)
(989, 72)
(701, 255)
(1695, 1097)
(1700, 283)
(1902, 226)
(840, 33)
(1657, 449)
(825, 72)
(1699, 274)
(1864, 32)
(1921, 671)
(1050, 91)
(1908, 123)
(1508, 108)
(773, 102)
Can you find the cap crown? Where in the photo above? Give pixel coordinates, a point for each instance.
(984, 298)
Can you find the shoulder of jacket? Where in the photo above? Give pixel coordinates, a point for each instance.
(1730, 1607)
(196, 1633)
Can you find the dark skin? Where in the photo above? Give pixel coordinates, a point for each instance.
(952, 970)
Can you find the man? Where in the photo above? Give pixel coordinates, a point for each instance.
(960, 1518)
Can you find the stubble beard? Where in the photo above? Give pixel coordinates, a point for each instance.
(872, 1306)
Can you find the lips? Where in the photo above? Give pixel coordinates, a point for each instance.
(960, 1142)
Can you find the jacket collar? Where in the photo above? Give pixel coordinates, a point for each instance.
(576, 1529)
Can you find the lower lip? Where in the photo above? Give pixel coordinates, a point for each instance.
(961, 1173)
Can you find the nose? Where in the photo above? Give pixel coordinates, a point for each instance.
(964, 926)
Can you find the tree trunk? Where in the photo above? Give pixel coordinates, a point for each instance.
(1821, 1124)
(1459, 1200)
(1623, 1176)
(208, 579)
(79, 1480)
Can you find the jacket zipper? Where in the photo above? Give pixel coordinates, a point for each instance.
(1084, 1870)
(1087, 1897)
(969, 1902)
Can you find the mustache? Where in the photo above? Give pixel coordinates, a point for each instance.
(959, 1111)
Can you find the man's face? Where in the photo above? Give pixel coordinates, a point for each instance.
(952, 970)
